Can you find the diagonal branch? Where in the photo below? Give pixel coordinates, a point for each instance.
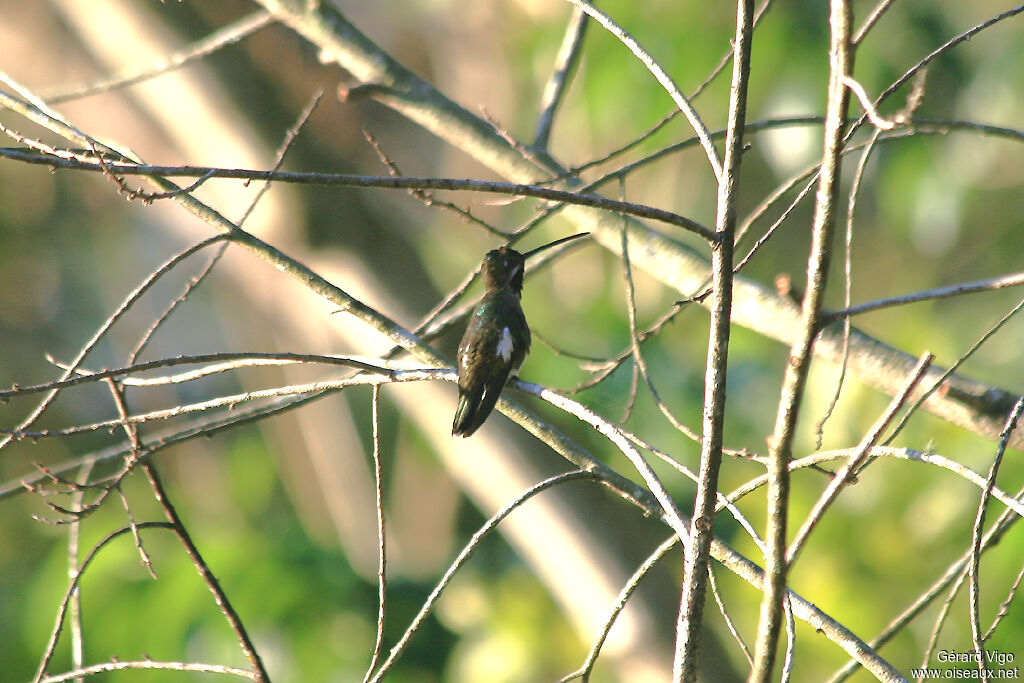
(220, 597)
(565, 64)
(973, 405)
(232, 33)
(974, 567)
(846, 473)
(663, 78)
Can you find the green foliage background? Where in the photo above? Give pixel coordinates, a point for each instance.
(935, 210)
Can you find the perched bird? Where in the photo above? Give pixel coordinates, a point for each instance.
(497, 337)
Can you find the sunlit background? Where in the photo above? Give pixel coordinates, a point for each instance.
(283, 510)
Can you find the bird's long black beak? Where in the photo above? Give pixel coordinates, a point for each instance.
(553, 244)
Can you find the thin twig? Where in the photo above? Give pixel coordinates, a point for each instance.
(844, 476)
(698, 549)
(219, 596)
(232, 33)
(72, 588)
(713, 585)
(663, 78)
(851, 207)
(147, 562)
(798, 365)
(881, 8)
(627, 591)
(788, 657)
(422, 195)
(639, 366)
(464, 555)
(1004, 606)
(75, 606)
(941, 380)
(135, 446)
(565, 65)
(603, 368)
(946, 292)
(639, 363)
(944, 610)
(974, 566)
(382, 556)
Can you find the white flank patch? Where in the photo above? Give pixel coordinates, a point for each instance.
(505, 345)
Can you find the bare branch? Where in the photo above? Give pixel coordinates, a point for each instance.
(232, 33)
(949, 291)
(695, 567)
(844, 476)
(219, 596)
(781, 443)
(348, 180)
(974, 566)
(382, 558)
(565, 64)
(663, 78)
(149, 664)
(467, 552)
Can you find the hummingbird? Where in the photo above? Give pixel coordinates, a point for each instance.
(497, 337)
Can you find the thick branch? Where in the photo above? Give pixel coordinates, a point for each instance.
(980, 408)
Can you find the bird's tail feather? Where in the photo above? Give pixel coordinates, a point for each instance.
(473, 409)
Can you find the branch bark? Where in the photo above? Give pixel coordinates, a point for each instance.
(977, 407)
(798, 367)
(695, 569)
